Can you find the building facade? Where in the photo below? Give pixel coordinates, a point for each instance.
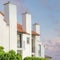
(22, 38)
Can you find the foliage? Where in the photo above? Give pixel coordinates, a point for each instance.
(34, 58)
(11, 55)
(19, 57)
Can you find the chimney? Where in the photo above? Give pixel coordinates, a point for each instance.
(26, 21)
(11, 19)
(36, 28)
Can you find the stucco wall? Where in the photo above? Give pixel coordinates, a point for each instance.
(4, 33)
(26, 47)
(11, 18)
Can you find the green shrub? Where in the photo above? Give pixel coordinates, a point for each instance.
(34, 58)
(19, 57)
(11, 55)
(1, 53)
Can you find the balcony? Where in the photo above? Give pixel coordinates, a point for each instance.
(19, 44)
(33, 44)
(33, 49)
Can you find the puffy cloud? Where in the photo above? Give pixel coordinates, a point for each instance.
(53, 48)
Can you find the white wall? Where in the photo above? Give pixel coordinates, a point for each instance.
(1, 32)
(39, 44)
(42, 51)
(11, 18)
(4, 36)
(26, 47)
(36, 28)
(26, 22)
(37, 39)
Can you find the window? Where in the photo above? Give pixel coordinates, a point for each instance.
(33, 46)
(39, 51)
(19, 40)
(28, 40)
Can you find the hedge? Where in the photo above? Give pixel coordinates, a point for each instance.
(34, 58)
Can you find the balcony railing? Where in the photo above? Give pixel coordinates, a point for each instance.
(19, 45)
(33, 49)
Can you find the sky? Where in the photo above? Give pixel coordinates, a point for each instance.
(47, 14)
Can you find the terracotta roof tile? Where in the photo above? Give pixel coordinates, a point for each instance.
(20, 29)
(1, 13)
(34, 33)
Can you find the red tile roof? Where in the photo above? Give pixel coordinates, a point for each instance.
(34, 33)
(1, 13)
(20, 29)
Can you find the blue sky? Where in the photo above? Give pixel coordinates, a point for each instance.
(44, 12)
(47, 14)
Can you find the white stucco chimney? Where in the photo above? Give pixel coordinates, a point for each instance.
(26, 21)
(36, 28)
(11, 19)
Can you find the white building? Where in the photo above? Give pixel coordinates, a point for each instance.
(18, 37)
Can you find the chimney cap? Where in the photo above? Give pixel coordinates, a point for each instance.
(9, 3)
(26, 12)
(36, 24)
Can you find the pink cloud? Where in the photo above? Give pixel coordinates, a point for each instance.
(53, 47)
